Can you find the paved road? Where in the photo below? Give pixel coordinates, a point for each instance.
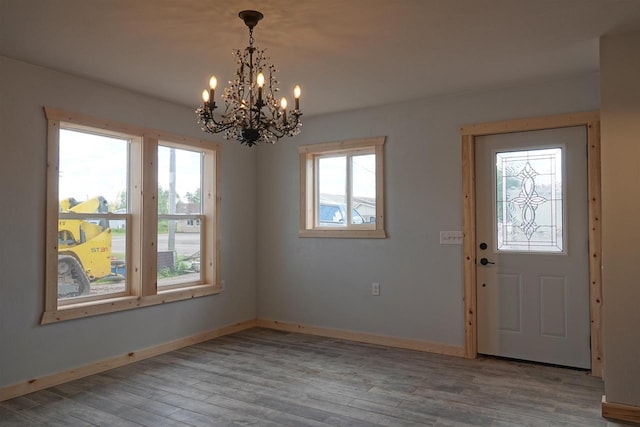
(186, 243)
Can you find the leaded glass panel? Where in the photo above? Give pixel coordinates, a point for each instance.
(529, 201)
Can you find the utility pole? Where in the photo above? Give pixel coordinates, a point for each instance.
(172, 199)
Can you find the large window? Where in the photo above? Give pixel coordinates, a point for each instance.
(342, 189)
(131, 217)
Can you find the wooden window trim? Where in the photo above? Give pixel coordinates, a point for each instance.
(307, 157)
(142, 290)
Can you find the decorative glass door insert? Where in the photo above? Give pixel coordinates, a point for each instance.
(529, 199)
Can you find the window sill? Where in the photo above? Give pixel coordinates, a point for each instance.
(344, 234)
(111, 305)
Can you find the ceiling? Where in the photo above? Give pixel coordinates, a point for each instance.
(345, 54)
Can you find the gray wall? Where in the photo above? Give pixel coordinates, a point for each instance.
(620, 115)
(270, 272)
(28, 350)
(327, 282)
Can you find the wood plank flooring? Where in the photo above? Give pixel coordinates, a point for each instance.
(268, 378)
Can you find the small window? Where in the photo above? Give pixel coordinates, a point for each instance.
(342, 185)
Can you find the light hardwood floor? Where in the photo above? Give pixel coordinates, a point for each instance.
(269, 378)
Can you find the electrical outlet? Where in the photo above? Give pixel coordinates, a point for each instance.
(375, 288)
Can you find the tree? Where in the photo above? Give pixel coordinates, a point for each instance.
(163, 201)
(119, 203)
(121, 200)
(193, 197)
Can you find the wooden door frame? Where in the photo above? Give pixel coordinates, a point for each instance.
(469, 133)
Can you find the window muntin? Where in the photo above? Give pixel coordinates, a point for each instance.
(342, 189)
(529, 201)
(130, 217)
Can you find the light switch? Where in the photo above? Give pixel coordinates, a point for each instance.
(451, 237)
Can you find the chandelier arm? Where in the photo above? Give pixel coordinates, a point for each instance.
(280, 132)
(208, 117)
(217, 129)
(213, 120)
(214, 127)
(211, 125)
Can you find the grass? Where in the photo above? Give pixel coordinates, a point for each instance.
(182, 266)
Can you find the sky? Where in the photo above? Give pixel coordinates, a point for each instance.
(333, 175)
(94, 165)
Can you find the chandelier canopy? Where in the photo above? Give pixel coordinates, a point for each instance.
(252, 113)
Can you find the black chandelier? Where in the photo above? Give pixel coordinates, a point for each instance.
(252, 112)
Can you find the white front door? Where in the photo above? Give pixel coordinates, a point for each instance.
(532, 254)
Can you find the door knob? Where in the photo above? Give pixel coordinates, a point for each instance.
(485, 261)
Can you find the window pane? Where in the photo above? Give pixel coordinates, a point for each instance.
(93, 165)
(179, 181)
(529, 201)
(332, 189)
(179, 193)
(178, 252)
(363, 189)
(92, 180)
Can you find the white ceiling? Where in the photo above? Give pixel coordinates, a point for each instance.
(345, 54)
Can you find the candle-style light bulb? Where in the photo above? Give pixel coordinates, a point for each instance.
(296, 93)
(205, 96)
(260, 81)
(213, 82)
(283, 104)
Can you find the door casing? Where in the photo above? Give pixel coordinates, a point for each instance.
(591, 120)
